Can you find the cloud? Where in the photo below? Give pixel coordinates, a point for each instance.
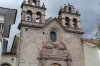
(89, 9)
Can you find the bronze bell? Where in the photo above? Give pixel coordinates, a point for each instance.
(66, 23)
(38, 17)
(28, 17)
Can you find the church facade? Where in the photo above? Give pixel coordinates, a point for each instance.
(50, 42)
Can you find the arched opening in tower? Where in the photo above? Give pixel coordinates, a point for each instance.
(70, 9)
(29, 15)
(38, 16)
(75, 22)
(34, 2)
(67, 20)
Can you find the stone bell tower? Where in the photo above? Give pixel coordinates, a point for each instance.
(69, 17)
(33, 12)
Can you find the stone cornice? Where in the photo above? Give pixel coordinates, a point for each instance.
(69, 13)
(32, 6)
(42, 25)
(8, 53)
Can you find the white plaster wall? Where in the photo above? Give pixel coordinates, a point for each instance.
(99, 55)
(91, 55)
(7, 58)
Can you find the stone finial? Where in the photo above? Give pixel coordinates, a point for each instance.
(24, 2)
(50, 18)
(61, 9)
(43, 5)
(65, 5)
(68, 3)
(77, 12)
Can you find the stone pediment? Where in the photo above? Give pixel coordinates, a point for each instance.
(54, 51)
(48, 45)
(61, 46)
(52, 20)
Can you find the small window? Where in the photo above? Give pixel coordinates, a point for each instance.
(53, 36)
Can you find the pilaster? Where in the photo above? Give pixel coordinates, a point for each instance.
(71, 23)
(23, 15)
(33, 17)
(63, 21)
(78, 25)
(30, 2)
(42, 19)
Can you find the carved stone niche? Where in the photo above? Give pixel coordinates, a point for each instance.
(56, 52)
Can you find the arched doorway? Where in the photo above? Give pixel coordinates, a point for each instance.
(5, 64)
(55, 64)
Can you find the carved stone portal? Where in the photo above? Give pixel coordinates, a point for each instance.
(57, 52)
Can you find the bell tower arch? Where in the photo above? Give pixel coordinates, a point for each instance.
(69, 18)
(33, 12)
(35, 2)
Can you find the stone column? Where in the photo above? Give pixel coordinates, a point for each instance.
(71, 24)
(78, 26)
(42, 19)
(37, 3)
(23, 16)
(63, 21)
(33, 17)
(30, 2)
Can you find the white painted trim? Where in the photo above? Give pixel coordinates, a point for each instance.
(99, 55)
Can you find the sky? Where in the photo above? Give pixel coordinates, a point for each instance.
(89, 10)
